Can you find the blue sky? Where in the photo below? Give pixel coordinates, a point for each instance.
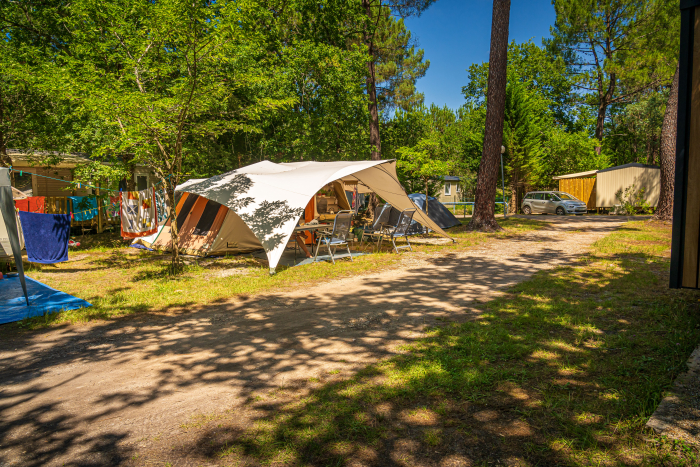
(457, 33)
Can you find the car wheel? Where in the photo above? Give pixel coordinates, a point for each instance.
(560, 211)
(526, 210)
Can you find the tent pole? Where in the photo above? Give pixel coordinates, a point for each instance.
(7, 208)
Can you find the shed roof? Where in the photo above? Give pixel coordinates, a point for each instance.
(450, 178)
(576, 175)
(631, 164)
(609, 169)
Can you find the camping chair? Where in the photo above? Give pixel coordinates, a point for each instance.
(401, 229)
(378, 228)
(338, 237)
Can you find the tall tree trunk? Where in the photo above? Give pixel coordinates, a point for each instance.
(174, 228)
(5, 160)
(513, 208)
(484, 218)
(664, 210)
(600, 122)
(374, 139)
(603, 104)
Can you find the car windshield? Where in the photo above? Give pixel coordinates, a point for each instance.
(565, 196)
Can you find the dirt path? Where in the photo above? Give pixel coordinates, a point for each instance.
(106, 393)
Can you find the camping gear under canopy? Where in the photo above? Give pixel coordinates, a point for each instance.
(259, 205)
(436, 210)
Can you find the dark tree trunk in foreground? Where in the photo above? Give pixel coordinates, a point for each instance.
(374, 140)
(664, 210)
(484, 218)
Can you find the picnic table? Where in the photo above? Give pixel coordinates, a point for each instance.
(299, 236)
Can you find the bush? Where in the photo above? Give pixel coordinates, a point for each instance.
(632, 201)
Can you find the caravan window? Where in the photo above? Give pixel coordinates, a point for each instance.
(207, 219)
(141, 182)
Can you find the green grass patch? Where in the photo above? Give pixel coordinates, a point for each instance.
(565, 369)
(121, 281)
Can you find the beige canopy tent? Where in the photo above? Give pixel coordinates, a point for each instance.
(259, 205)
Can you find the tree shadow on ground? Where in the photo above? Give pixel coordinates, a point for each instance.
(120, 381)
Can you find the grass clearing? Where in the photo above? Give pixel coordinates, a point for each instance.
(564, 369)
(121, 281)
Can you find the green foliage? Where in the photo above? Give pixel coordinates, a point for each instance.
(635, 129)
(632, 201)
(433, 152)
(399, 65)
(537, 69)
(616, 49)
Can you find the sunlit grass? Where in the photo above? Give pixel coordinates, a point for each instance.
(120, 281)
(565, 369)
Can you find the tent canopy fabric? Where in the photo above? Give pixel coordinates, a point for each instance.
(436, 210)
(267, 199)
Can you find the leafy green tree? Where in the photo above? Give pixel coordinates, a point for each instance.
(606, 45)
(634, 129)
(431, 147)
(538, 69)
(525, 124)
(162, 74)
(374, 11)
(399, 65)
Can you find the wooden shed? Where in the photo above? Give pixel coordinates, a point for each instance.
(597, 188)
(610, 181)
(582, 185)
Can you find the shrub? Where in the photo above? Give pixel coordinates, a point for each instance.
(632, 201)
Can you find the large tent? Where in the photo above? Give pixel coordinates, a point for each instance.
(259, 205)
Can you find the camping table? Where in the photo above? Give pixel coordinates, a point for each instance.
(300, 238)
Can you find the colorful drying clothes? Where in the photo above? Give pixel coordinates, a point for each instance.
(84, 207)
(31, 204)
(45, 236)
(162, 206)
(139, 216)
(112, 207)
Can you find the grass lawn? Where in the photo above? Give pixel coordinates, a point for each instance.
(119, 281)
(564, 369)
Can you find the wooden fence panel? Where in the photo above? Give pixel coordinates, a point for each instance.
(582, 188)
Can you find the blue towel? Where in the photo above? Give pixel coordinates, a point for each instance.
(84, 207)
(45, 236)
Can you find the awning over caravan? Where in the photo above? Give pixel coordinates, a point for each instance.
(270, 198)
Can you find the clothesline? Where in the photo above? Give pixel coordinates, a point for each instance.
(79, 183)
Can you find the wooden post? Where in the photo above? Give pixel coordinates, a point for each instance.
(685, 244)
(100, 227)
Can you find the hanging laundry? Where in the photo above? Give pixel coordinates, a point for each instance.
(139, 216)
(84, 207)
(31, 204)
(162, 206)
(112, 207)
(45, 236)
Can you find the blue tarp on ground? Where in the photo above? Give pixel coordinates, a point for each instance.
(42, 299)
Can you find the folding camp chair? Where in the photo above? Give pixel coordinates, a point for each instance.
(338, 237)
(378, 228)
(401, 229)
